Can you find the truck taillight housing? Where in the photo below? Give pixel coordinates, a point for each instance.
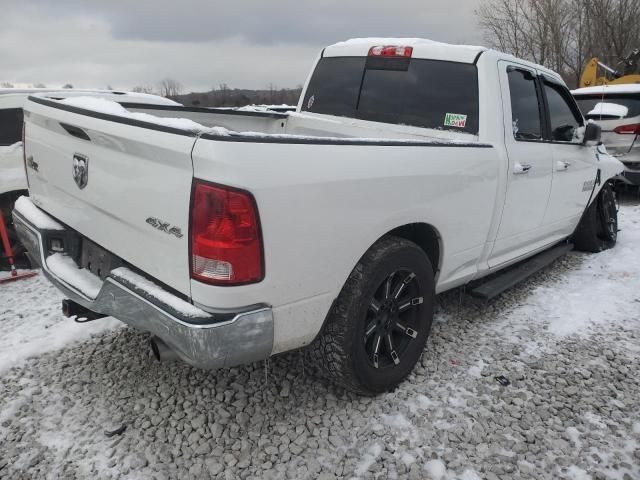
(226, 244)
(632, 129)
(391, 51)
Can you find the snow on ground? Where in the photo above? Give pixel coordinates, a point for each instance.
(567, 339)
(31, 323)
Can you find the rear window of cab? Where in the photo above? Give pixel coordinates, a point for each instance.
(433, 94)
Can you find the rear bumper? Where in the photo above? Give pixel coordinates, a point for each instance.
(202, 339)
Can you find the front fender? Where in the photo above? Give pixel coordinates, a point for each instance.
(609, 166)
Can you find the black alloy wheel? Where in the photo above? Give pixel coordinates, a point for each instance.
(393, 319)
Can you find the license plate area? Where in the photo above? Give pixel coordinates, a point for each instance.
(98, 260)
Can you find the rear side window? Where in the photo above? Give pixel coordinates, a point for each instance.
(525, 105)
(589, 103)
(10, 126)
(417, 92)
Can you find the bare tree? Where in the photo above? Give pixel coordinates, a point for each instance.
(38, 85)
(142, 89)
(67, 85)
(170, 88)
(6, 85)
(504, 25)
(562, 34)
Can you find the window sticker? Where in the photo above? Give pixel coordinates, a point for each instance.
(310, 102)
(455, 120)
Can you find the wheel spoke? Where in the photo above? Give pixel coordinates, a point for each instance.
(374, 305)
(376, 344)
(403, 284)
(392, 350)
(376, 348)
(387, 287)
(410, 332)
(369, 331)
(407, 304)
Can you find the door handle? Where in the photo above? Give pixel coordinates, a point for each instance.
(562, 166)
(521, 168)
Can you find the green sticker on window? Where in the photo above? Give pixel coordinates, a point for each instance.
(455, 120)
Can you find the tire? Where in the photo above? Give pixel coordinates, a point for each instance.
(598, 227)
(345, 351)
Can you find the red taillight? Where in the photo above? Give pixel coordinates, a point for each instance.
(226, 245)
(391, 51)
(632, 129)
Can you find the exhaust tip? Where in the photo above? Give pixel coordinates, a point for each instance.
(161, 351)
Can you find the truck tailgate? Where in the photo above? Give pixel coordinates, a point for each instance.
(134, 199)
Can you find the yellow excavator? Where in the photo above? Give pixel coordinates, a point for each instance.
(629, 73)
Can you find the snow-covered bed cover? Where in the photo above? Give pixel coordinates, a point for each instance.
(109, 107)
(25, 207)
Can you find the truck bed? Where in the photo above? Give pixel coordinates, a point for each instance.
(269, 126)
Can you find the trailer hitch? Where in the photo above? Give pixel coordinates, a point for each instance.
(81, 314)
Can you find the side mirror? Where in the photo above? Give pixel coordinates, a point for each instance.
(592, 134)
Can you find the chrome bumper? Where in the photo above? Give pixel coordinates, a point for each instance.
(209, 341)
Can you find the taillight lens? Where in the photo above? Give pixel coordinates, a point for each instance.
(632, 129)
(391, 51)
(226, 245)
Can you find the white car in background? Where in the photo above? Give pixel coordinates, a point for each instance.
(616, 108)
(13, 181)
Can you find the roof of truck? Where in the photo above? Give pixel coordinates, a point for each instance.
(422, 48)
(121, 96)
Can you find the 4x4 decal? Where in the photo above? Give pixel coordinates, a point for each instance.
(164, 227)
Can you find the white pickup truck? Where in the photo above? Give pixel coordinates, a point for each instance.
(410, 167)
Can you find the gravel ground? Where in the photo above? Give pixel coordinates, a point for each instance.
(568, 344)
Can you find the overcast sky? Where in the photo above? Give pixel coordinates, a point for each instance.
(202, 43)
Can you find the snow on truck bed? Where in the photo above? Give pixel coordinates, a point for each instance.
(109, 107)
(113, 108)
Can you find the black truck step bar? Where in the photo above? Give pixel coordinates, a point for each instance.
(495, 285)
